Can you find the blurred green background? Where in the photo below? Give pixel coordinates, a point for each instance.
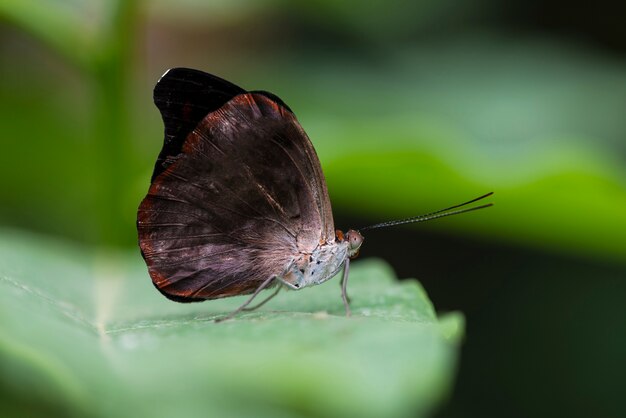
(412, 106)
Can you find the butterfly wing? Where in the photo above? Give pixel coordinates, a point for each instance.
(185, 96)
(232, 201)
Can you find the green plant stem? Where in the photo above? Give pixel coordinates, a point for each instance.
(104, 54)
(111, 77)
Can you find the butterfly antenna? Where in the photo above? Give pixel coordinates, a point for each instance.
(434, 215)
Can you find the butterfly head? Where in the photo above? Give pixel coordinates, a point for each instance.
(354, 240)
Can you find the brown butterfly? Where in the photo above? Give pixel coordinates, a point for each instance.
(238, 202)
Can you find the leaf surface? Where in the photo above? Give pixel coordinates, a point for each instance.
(88, 333)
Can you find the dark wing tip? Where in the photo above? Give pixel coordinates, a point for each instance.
(188, 79)
(184, 96)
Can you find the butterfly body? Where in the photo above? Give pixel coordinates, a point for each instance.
(322, 264)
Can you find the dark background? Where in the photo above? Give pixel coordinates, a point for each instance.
(523, 98)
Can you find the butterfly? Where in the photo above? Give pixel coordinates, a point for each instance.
(238, 202)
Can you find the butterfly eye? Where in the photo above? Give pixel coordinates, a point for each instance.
(355, 239)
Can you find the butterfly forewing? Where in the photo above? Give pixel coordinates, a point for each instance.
(185, 96)
(242, 197)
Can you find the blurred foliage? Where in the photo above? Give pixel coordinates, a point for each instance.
(297, 356)
(412, 106)
(422, 128)
(99, 50)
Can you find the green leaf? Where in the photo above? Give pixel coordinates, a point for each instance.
(88, 332)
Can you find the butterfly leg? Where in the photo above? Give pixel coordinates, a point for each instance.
(246, 303)
(264, 301)
(344, 286)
